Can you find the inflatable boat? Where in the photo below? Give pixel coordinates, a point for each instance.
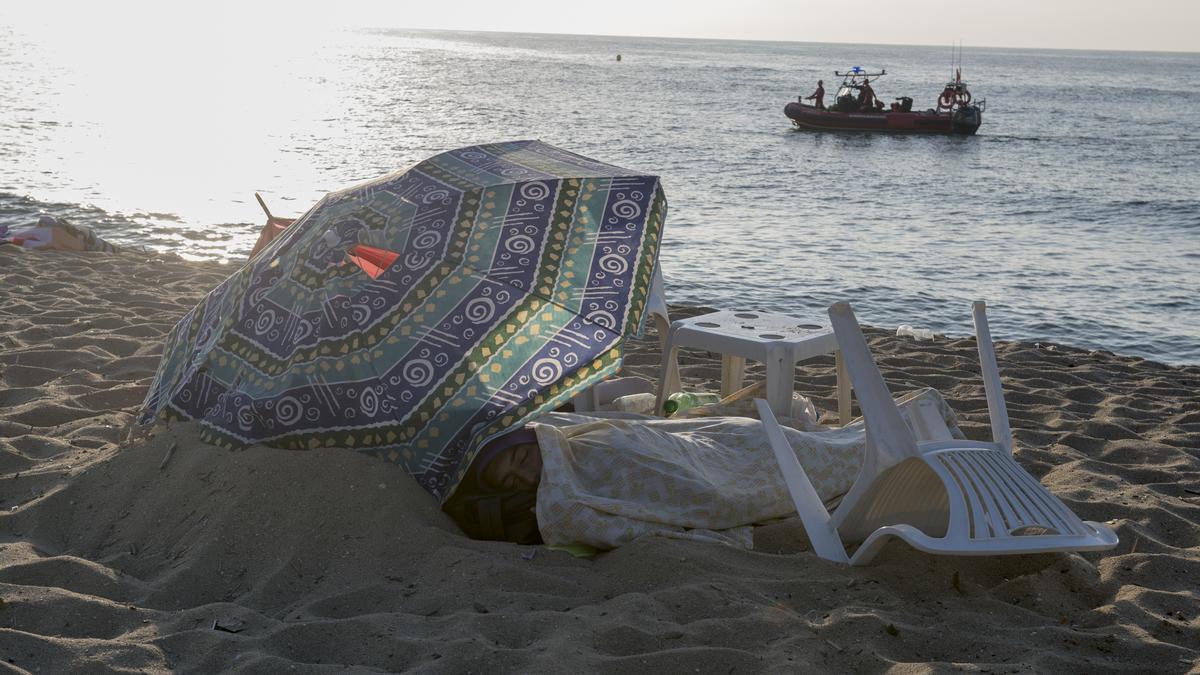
(956, 111)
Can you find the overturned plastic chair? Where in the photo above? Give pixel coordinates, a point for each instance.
(953, 497)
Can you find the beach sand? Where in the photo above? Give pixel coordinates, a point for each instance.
(173, 555)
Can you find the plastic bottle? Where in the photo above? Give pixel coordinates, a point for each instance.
(915, 333)
(804, 410)
(635, 403)
(686, 399)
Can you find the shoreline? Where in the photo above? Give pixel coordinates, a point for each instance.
(171, 555)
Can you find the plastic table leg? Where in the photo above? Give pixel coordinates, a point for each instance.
(781, 381)
(733, 373)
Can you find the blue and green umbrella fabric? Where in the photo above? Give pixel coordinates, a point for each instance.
(418, 315)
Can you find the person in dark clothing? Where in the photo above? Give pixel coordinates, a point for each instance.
(818, 95)
(866, 96)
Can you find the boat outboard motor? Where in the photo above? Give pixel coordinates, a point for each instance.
(905, 103)
(967, 119)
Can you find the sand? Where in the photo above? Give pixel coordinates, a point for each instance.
(170, 555)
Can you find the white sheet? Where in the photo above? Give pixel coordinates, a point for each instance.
(606, 482)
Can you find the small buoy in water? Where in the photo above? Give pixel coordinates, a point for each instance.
(618, 57)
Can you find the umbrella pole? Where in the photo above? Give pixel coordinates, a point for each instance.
(264, 206)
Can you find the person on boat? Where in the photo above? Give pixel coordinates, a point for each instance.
(866, 96)
(818, 95)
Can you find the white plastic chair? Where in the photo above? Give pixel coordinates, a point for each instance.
(600, 395)
(952, 497)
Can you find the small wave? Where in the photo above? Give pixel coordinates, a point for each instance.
(1172, 304)
(159, 216)
(20, 209)
(152, 230)
(1010, 137)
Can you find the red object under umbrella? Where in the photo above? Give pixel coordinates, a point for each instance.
(274, 227)
(371, 260)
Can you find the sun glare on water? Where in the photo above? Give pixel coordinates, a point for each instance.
(175, 113)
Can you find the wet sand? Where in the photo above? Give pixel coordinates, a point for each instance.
(171, 555)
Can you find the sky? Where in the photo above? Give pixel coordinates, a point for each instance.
(1141, 25)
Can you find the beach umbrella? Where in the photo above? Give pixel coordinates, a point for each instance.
(419, 315)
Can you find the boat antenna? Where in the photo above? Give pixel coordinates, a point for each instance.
(956, 61)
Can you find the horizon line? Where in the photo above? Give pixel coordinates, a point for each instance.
(743, 39)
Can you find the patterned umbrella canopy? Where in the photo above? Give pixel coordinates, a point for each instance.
(418, 315)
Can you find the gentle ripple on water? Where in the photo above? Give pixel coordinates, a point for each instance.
(1075, 212)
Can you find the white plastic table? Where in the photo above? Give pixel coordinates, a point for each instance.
(776, 340)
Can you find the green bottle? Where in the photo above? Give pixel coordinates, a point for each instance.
(685, 399)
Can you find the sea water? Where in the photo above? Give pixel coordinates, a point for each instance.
(1075, 212)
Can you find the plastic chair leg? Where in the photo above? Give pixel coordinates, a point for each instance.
(663, 326)
(843, 389)
(668, 381)
(821, 533)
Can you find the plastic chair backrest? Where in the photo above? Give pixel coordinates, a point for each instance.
(889, 440)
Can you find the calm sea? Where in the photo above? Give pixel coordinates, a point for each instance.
(1075, 212)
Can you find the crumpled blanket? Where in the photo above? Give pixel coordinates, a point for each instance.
(56, 234)
(606, 482)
